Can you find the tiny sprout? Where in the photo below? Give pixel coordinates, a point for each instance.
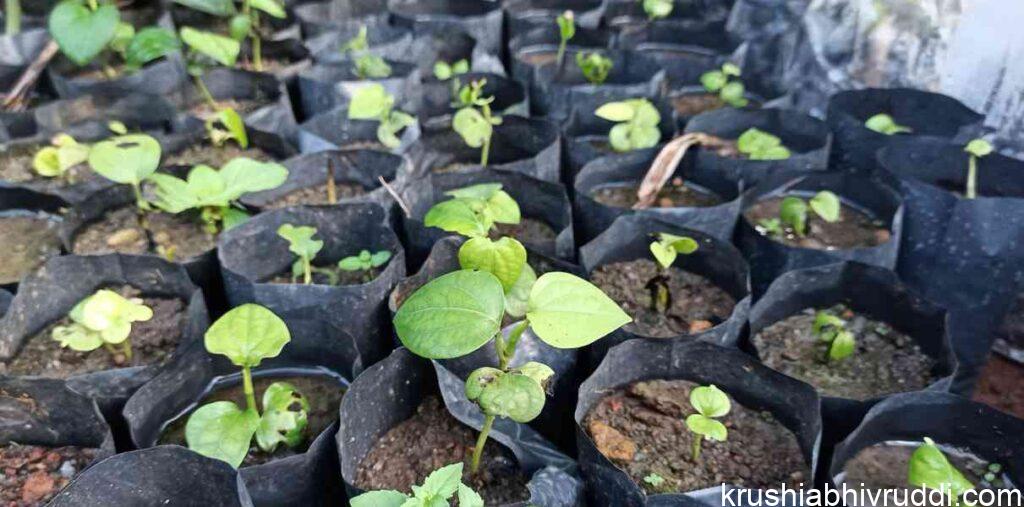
(55, 160)
(366, 65)
(357, 43)
(595, 66)
(227, 125)
(128, 160)
(301, 243)
(474, 122)
(760, 145)
(717, 81)
(657, 9)
(654, 479)
(710, 404)
(472, 211)
(444, 71)
(566, 31)
(665, 250)
(832, 331)
(637, 124)
(793, 213)
(102, 319)
(976, 149)
(929, 468)
(372, 102)
(365, 261)
(436, 490)
(117, 127)
(884, 124)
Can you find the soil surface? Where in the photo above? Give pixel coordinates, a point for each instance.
(456, 167)
(1010, 335)
(205, 153)
(153, 341)
(203, 110)
(530, 232)
(431, 439)
(16, 167)
(321, 391)
(886, 361)
(642, 429)
(677, 194)
(854, 229)
(696, 303)
(539, 58)
(28, 239)
(1001, 385)
(344, 277)
(694, 104)
(874, 467)
(31, 475)
(316, 194)
(179, 237)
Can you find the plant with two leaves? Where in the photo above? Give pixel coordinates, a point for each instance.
(129, 160)
(566, 31)
(594, 66)
(226, 125)
(103, 319)
(885, 124)
(55, 160)
(832, 331)
(710, 403)
(444, 71)
(366, 65)
(729, 91)
(372, 102)
(929, 468)
(474, 121)
(657, 9)
(301, 243)
(243, 20)
(636, 124)
(365, 262)
(84, 29)
(793, 214)
(247, 335)
(654, 480)
(975, 149)
(214, 192)
(759, 145)
(436, 490)
(665, 250)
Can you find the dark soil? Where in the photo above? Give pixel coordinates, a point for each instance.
(1001, 385)
(31, 475)
(886, 361)
(213, 156)
(153, 341)
(694, 104)
(539, 58)
(884, 465)
(642, 429)
(455, 167)
(696, 303)
(316, 194)
(179, 237)
(16, 167)
(321, 391)
(854, 229)
(1010, 335)
(530, 232)
(203, 110)
(28, 239)
(344, 277)
(431, 439)
(677, 194)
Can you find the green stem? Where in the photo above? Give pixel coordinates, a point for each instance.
(250, 393)
(12, 9)
(485, 151)
(480, 442)
(499, 347)
(139, 201)
(513, 339)
(307, 276)
(205, 92)
(972, 177)
(127, 350)
(696, 446)
(560, 58)
(257, 44)
(93, 5)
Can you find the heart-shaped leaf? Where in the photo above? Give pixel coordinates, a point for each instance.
(568, 312)
(247, 335)
(503, 258)
(221, 430)
(81, 33)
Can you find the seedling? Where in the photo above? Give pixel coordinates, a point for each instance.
(975, 149)
(12, 17)
(665, 250)
(301, 243)
(759, 145)
(725, 82)
(366, 64)
(595, 66)
(55, 160)
(214, 193)
(84, 29)
(444, 71)
(372, 102)
(366, 262)
(831, 330)
(566, 30)
(884, 124)
(710, 403)
(227, 125)
(654, 480)
(206, 49)
(440, 486)
(103, 319)
(243, 20)
(929, 468)
(657, 9)
(128, 160)
(636, 124)
(221, 430)
(474, 121)
(793, 213)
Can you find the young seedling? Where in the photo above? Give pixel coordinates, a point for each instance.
(84, 29)
(793, 213)
(566, 31)
(366, 64)
(365, 262)
(55, 160)
(103, 319)
(226, 125)
(718, 81)
(636, 124)
(221, 430)
(594, 66)
(975, 149)
(657, 9)
(444, 71)
(372, 102)
(440, 486)
(243, 20)
(12, 17)
(301, 243)
(831, 330)
(759, 145)
(665, 250)
(214, 193)
(710, 403)
(929, 468)
(654, 480)
(884, 124)
(128, 160)
(205, 50)
(474, 122)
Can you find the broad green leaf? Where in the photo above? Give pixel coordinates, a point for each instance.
(117, 127)
(773, 153)
(619, 138)
(235, 125)
(77, 337)
(122, 36)
(369, 102)
(452, 315)
(126, 159)
(469, 498)
(826, 205)
(539, 372)
(731, 69)
(482, 191)
(458, 216)
(825, 319)
(665, 255)
(150, 44)
(568, 312)
(247, 335)
(221, 430)
(223, 50)
(843, 345)
(657, 9)
(380, 258)
(172, 194)
(682, 244)
(271, 7)
(793, 211)
(754, 140)
(884, 124)
(517, 298)
(616, 111)
(713, 81)
(47, 162)
(385, 498)
(111, 314)
(707, 427)
(472, 126)
(285, 416)
(503, 209)
(82, 34)
(732, 93)
(646, 113)
(710, 401)
(978, 147)
(370, 66)
(300, 240)
(513, 395)
(641, 137)
(222, 8)
(503, 258)
(233, 217)
(479, 379)
(930, 468)
(244, 175)
(444, 481)
(240, 27)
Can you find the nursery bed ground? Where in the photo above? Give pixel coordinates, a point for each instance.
(205, 153)
(874, 466)
(1001, 385)
(528, 231)
(31, 475)
(28, 240)
(16, 167)
(316, 194)
(677, 194)
(692, 104)
(119, 231)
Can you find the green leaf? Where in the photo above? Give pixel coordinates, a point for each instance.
(616, 111)
(619, 138)
(710, 401)
(665, 255)
(478, 379)
(472, 126)
(271, 7)
(54, 161)
(233, 217)
(77, 337)
(471, 302)
(240, 27)
(300, 240)
(502, 208)
(223, 50)
(469, 498)
(754, 140)
(221, 430)
(843, 346)
(122, 36)
(793, 211)
(929, 468)
(732, 93)
(682, 244)
(385, 498)
(884, 124)
(380, 258)
(285, 416)
(82, 34)
(444, 481)
(594, 66)
(978, 148)
(458, 216)
(707, 427)
(503, 258)
(442, 71)
(731, 69)
(517, 298)
(244, 175)
(566, 25)
(714, 80)
(370, 66)
(356, 262)
(150, 44)
(826, 205)
(539, 372)
(566, 311)
(110, 314)
(773, 153)
(657, 9)
(235, 125)
(513, 395)
(369, 102)
(646, 114)
(824, 319)
(126, 159)
(222, 8)
(247, 335)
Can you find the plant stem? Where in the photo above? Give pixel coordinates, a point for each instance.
(484, 152)
(332, 192)
(12, 9)
(499, 346)
(257, 44)
(480, 442)
(696, 446)
(972, 177)
(205, 92)
(139, 201)
(513, 339)
(127, 350)
(560, 58)
(250, 393)
(307, 269)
